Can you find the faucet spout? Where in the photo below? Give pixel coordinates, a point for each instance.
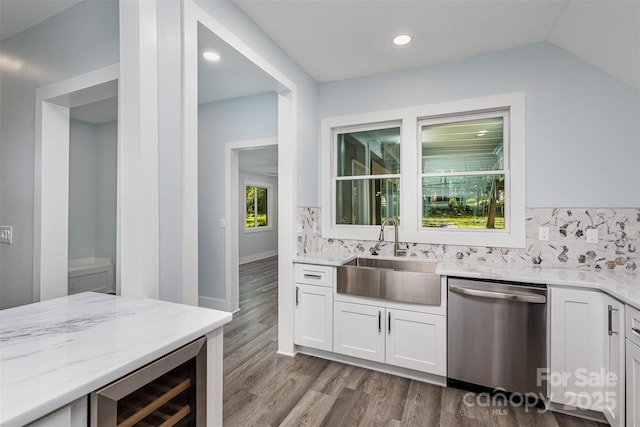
(396, 246)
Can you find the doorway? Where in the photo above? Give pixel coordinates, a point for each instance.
(51, 208)
(237, 102)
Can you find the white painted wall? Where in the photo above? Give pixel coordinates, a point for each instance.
(254, 244)
(238, 119)
(583, 126)
(92, 190)
(170, 148)
(78, 40)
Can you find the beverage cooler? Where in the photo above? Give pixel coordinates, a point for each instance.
(170, 391)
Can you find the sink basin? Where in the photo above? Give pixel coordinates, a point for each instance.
(391, 279)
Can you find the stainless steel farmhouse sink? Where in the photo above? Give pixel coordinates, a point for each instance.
(390, 279)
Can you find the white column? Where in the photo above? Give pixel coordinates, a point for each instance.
(138, 258)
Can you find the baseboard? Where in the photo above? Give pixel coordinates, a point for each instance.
(214, 303)
(257, 257)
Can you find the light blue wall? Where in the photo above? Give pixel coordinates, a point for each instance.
(239, 119)
(260, 242)
(78, 40)
(106, 188)
(92, 190)
(583, 126)
(82, 189)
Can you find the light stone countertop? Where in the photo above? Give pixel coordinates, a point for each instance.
(324, 258)
(622, 286)
(56, 351)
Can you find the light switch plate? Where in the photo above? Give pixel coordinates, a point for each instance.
(543, 234)
(6, 234)
(592, 235)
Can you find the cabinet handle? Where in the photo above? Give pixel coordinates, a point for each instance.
(636, 330)
(610, 310)
(297, 300)
(379, 321)
(312, 276)
(389, 322)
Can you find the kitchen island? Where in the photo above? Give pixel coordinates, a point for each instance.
(56, 352)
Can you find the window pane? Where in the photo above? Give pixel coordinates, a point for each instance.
(463, 201)
(250, 206)
(261, 194)
(466, 146)
(372, 152)
(367, 201)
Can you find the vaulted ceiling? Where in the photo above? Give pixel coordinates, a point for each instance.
(339, 39)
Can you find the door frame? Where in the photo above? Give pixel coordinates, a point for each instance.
(51, 176)
(232, 213)
(193, 15)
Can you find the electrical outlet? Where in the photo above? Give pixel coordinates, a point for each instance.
(6, 234)
(543, 234)
(592, 235)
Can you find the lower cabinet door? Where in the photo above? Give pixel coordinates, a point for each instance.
(313, 316)
(633, 384)
(417, 341)
(359, 330)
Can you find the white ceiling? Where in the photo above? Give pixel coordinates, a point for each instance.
(334, 40)
(96, 113)
(18, 15)
(262, 161)
(233, 76)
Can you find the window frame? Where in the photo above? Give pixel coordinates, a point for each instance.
(334, 159)
(410, 229)
(269, 189)
(506, 151)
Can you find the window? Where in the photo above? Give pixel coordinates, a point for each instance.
(257, 203)
(368, 175)
(459, 167)
(463, 171)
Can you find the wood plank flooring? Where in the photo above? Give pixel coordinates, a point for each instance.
(262, 388)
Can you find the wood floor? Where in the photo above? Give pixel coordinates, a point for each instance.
(262, 388)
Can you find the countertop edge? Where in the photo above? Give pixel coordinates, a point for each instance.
(59, 401)
(461, 270)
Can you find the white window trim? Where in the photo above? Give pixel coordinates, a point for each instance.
(269, 188)
(410, 192)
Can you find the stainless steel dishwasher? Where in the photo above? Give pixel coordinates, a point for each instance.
(497, 334)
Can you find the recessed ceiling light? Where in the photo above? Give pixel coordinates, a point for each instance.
(211, 56)
(402, 39)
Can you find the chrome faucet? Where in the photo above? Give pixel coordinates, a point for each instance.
(396, 246)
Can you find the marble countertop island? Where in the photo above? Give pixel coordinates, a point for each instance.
(56, 351)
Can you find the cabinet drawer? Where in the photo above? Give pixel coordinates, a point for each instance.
(633, 325)
(320, 275)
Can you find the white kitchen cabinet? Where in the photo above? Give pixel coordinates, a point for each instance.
(417, 341)
(313, 317)
(313, 309)
(614, 374)
(633, 384)
(397, 337)
(633, 366)
(578, 340)
(359, 330)
(72, 415)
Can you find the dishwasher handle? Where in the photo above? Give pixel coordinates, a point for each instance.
(532, 298)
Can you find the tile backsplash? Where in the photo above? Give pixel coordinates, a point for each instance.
(618, 239)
